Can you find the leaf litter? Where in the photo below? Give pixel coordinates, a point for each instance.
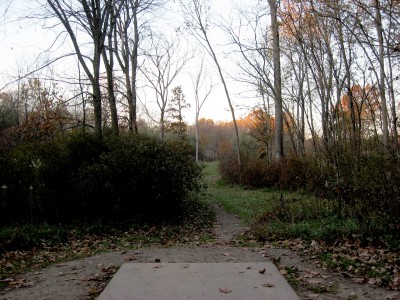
(318, 279)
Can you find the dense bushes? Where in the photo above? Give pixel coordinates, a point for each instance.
(79, 177)
(364, 186)
(292, 173)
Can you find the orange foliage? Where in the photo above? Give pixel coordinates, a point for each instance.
(365, 99)
(47, 114)
(297, 17)
(366, 104)
(224, 147)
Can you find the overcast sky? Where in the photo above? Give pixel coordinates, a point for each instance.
(23, 42)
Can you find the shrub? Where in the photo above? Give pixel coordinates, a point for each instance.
(79, 177)
(364, 186)
(141, 176)
(228, 167)
(292, 173)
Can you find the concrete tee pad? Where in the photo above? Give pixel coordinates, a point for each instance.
(178, 281)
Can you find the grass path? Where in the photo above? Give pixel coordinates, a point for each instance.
(307, 225)
(246, 203)
(315, 269)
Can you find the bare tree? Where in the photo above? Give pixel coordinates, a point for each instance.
(163, 62)
(196, 14)
(108, 60)
(199, 82)
(379, 33)
(273, 6)
(128, 37)
(92, 17)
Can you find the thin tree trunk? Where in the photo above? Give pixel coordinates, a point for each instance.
(197, 137)
(134, 62)
(96, 91)
(221, 75)
(109, 64)
(379, 32)
(273, 4)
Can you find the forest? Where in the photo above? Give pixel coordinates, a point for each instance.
(97, 127)
(113, 129)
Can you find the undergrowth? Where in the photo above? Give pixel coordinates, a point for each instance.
(275, 214)
(32, 247)
(300, 221)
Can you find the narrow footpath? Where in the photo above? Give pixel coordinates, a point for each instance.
(83, 279)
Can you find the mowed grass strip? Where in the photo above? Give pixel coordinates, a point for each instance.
(246, 203)
(277, 213)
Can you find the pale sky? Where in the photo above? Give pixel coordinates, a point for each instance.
(22, 43)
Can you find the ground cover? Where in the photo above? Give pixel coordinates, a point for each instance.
(316, 269)
(33, 247)
(304, 223)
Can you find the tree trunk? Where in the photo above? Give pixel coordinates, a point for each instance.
(96, 91)
(379, 32)
(109, 65)
(273, 5)
(134, 59)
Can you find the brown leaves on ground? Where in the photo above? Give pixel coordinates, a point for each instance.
(13, 263)
(99, 281)
(374, 265)
(225, 290)
(268, 285)
(17, 283)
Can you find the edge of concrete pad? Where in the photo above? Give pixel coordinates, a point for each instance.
(254, 280)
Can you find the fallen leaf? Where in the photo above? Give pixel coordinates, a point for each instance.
(393, 296)
(129, 258)
(17, 282)
(261, 271)
(359, 280)
(283, 272)
(184, 266)
(95, 290)
(87, 278)
(268, 285)
(69, 279)
(225, 290)
(28, 284)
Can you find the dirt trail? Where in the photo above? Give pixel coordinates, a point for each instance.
(81, 278)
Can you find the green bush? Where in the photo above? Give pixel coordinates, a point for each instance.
(363, 186)
(79, 177)
(141, 177)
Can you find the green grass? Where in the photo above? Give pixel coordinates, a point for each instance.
(275, 213)
(288, 218)
(246, 203)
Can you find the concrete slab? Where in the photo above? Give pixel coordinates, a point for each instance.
(178, 281)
